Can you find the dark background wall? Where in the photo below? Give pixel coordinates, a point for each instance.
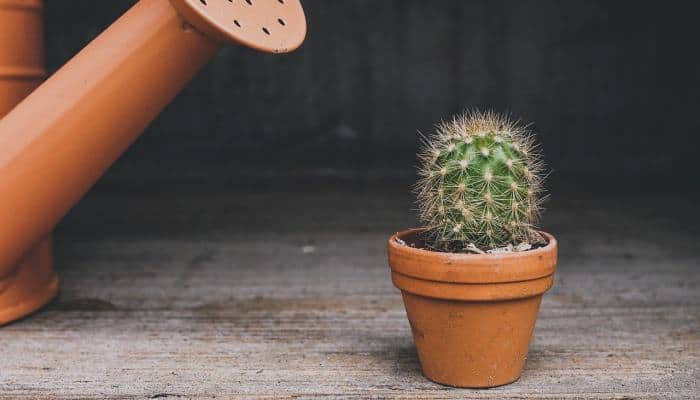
(610, 86)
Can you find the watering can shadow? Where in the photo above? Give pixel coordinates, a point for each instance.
(58, 141)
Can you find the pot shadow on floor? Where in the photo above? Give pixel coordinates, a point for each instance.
(534, 362)
(399, 354)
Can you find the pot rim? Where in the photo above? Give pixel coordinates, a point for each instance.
(471, 268)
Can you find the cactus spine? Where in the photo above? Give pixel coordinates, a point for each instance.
(480, 183)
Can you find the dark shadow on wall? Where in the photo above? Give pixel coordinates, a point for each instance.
(611, 87)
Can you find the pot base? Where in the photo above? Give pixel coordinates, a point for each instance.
(471, 344)
(29, 286)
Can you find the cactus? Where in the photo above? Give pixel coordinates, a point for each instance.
(480, 184)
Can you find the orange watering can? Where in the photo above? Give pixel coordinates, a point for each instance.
(59, 140)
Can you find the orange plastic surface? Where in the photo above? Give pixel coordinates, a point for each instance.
(275, 26)
(31, 283)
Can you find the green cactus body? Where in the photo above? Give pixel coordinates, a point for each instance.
(480, 183)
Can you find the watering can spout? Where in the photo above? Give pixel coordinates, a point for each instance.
(56, 143)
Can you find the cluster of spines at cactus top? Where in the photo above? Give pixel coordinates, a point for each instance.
(480, 183)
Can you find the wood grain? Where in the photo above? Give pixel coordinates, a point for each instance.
(249, 295)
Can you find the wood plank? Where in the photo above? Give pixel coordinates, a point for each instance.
(245, 295)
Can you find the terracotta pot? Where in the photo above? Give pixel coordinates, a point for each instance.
(472, 316)
(31, 283)
(58, 141)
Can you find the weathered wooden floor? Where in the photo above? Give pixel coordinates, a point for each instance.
(262, 294)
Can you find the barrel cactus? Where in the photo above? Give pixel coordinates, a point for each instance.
(480, 185)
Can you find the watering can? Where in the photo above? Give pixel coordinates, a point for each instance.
(58, 141)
